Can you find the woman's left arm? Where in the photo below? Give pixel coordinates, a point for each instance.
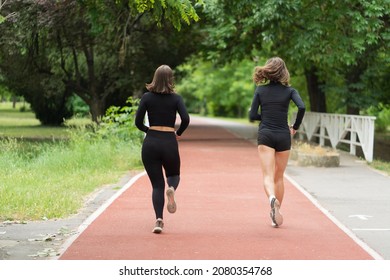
(296, 98)
(185, 117)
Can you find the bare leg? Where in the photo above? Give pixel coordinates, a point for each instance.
(273, 165)
(267, 162)
(281, 160)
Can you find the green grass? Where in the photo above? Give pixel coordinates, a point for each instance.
(51, 179)
(14, 123)
(382, 166)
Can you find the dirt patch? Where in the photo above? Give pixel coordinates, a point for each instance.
(306, 154)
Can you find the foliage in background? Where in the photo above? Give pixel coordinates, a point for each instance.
(119, 121)
(224, 90)
(382, 114)
(4, 93)
(102, 51)
(79, 107)
(217, 90)
(174, 11)
(336, 44)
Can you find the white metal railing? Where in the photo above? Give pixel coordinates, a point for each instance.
(351, 129)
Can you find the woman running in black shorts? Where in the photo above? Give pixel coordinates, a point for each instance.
(160, 148)
(274, 135)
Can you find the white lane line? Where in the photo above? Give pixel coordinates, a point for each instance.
(97, 213)
(361, 217)
(350, 233)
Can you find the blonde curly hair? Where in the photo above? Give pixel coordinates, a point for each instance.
(274, 70)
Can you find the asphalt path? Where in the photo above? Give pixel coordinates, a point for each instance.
(223, 213)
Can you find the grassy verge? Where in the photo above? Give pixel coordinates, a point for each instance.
(23, 124)
(51, 179)
(382, 166)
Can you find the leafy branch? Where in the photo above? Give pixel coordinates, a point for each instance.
(171, 10)
(4, 18)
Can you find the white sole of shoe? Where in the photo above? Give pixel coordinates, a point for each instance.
(158, 226)
(157, 230)
(277, 218)
(171, 206)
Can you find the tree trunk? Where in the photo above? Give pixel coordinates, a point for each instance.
(354, 96)
(351, 110)
(316, 94)
(97, 107)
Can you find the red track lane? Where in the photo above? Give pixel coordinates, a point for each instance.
(223, 214)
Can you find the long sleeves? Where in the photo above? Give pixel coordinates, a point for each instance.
(296, 98)
(162, 109)
(185, 118)
(140, 116)
(253, 113)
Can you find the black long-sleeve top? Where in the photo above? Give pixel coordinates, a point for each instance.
(273, 99)
(162, 109)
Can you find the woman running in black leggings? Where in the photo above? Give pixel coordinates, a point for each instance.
(274, 137)
(160, 148)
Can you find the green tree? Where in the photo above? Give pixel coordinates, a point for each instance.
(173, 11)
(323, 38)
(217, 90)
(99, 50)
(26, 67)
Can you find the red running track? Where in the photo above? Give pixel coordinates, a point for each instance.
(223, 214)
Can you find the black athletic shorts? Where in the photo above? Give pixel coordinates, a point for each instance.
(280, 141)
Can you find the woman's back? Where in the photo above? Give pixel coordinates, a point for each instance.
(273, 100)
(162, 109)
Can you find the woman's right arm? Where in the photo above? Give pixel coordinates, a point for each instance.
(254, 111)
(140, 116)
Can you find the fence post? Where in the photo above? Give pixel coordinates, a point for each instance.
(322, 130)
(370, 149)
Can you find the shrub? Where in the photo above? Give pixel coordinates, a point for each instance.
(382, 113)
(119, 122)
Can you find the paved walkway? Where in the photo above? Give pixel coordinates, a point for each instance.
(222, 213)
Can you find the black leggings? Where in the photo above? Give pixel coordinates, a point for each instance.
(160, 150)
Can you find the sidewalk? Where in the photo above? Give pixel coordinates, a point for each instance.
(223, 213)
(354, 194)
